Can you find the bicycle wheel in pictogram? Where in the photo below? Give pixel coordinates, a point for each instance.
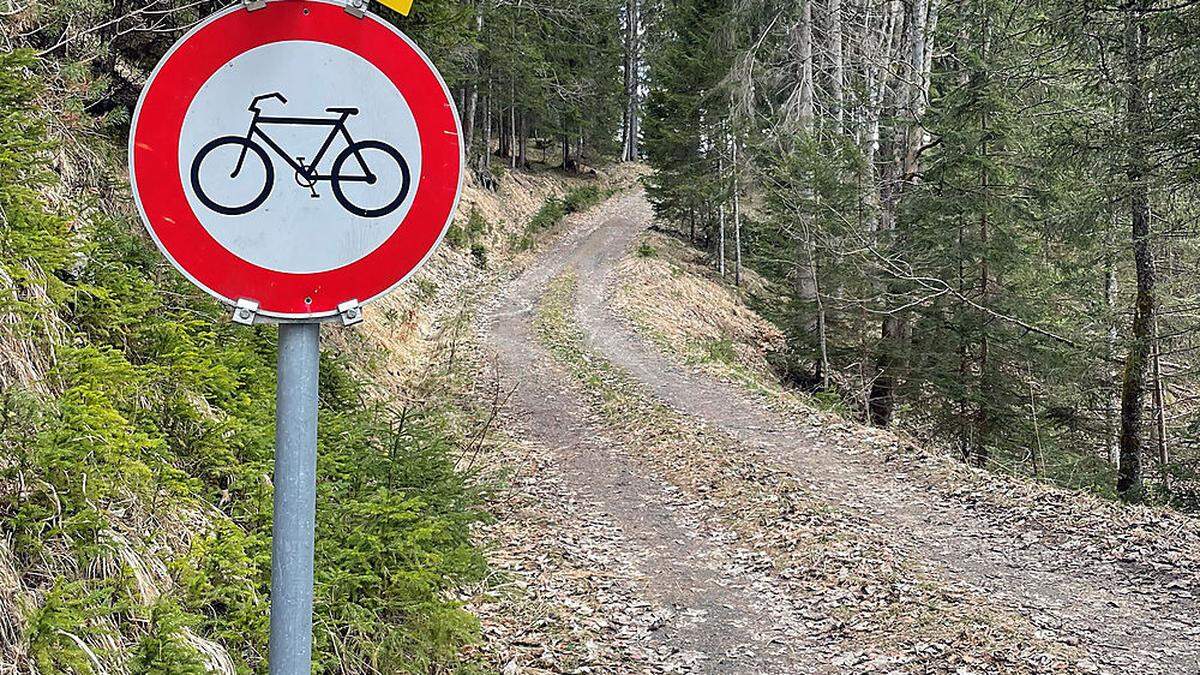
(232, 175)
(381, 186)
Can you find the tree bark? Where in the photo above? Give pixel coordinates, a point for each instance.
(1110, 375)
(631, 113)
(737, 218)
(983, 422)
(1133, 385)
(1160, 413)
(721, 222)
(512, 128)
(473, 96)
(822, 342)
(836, 62)
(485, 157)
(502, 149)
(1037, 457)
(804, 115)
(965, 440)
(523, 140)
(912, 138)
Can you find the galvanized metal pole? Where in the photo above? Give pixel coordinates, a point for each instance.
(295, 499)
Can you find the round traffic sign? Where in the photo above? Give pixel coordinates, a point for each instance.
(296, 157)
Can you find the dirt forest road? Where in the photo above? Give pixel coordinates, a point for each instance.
(975, 585)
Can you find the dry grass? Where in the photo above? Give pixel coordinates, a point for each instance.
(670, 293)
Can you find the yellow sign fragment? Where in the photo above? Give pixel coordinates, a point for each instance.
(401, 6)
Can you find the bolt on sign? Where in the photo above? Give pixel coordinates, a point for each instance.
(296, 158)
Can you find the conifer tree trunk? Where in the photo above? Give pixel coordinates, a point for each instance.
(893, 330)
(485, 157)
(630, 114)
(501, 130)
(822, 341)
(979, 454)
(512, 128)
(737, 219)
(880, 402)
(806, 286)
(1037, 457)
(523, 141)
(965, 443)
(469, 116)
(1110, 354)
(473, 96)
(1133, 385)
(836, 61)
(983, 419)
(1160, 413)
(721, 222)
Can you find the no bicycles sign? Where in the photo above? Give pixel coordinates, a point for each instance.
(296, 159)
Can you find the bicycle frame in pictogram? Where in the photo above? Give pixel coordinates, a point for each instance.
(307, 174)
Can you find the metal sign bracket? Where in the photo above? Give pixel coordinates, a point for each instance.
(251, 5)
(356, 8)
(245, 312)
(351, 312)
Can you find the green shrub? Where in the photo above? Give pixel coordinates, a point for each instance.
(720, 351)
(456, 236)
(582, 198)
(463, 237)
(554, 210)
(524, 242)
(479, 253)
(477, 225)
(164, 650)
(68, 611)
(548, 216)
(646, 250)
(426, 289)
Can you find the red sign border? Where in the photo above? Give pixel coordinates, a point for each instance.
(283, 295)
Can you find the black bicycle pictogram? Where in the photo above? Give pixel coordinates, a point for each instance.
(307, 174)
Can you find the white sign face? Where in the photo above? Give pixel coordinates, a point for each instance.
(335, 101)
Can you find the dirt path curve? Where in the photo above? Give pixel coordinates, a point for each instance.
(1066, 594)
(720, 623)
